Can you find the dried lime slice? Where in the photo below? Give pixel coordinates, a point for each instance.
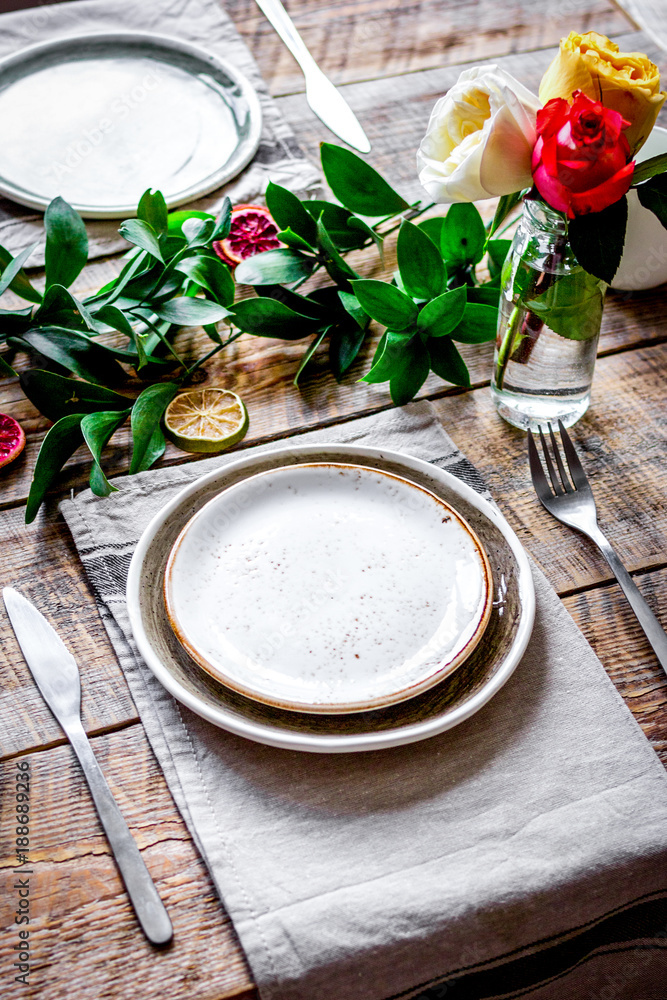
(206, 420)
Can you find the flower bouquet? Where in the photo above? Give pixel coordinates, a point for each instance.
(569, 155)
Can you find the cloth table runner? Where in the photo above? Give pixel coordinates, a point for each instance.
(202, 22)
(523, 852)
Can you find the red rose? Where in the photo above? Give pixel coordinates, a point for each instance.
(580, 160)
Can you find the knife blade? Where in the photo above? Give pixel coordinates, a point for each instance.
(57, 677)
(324, 99)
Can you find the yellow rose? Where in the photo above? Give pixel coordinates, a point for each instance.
(627, 82)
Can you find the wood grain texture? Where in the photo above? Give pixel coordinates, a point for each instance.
(396, 57)
(354, 40)
(624, 448)
(607, 621)
(84, 938)
(395, 111)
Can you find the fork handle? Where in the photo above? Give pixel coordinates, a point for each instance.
(652, 628)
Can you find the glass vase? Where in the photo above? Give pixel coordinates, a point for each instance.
(548, 325)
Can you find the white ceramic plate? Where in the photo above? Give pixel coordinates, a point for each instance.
(328, 588)
(441, 707)
(99, 118)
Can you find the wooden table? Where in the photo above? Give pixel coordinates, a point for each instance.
(392, 58)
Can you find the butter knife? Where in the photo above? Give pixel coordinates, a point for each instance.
(327, 103)
(57, 677)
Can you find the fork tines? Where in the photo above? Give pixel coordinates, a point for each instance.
(560, 483)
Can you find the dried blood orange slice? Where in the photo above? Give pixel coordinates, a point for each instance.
(12, 439)
(252, 231)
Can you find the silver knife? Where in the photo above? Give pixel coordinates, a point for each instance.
(327, 103)
(57, 677)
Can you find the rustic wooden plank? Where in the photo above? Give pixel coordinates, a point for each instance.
(42, 563)
(262, 371)
(356, 40)
(395, 111)
(623, 448)
(607, 621)
(84, 938)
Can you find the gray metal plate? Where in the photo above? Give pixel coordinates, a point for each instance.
(99, 118)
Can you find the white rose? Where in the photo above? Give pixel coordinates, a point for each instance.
(480, 138)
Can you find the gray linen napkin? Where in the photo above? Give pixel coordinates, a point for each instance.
(202, 22)
(522, 851)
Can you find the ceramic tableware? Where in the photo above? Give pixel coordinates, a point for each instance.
(441, 707)
(328, 587)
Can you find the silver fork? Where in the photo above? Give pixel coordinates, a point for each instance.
(571, 501)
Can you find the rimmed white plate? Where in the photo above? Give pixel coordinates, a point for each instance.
(99, 118)
(328, 587)
(441, 707)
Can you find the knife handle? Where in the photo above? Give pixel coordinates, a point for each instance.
(286, 29)
(144, 897)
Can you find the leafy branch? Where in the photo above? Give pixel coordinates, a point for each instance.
(86, 350)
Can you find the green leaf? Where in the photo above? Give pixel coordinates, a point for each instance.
(289, 213)
(571, 306)
(187, 311)
(6, 369)
(336, 221)
(115, 318)
(433, 229)
(60, 443)
(148, 442)
(301, 304)
(447, 362)
(478, 325)
(66, 244)
(463, 235)
(653, 195)
(73, 351)
(266, 317)
(56, 396)
(141, 234)
(310, 350)
(153, 210)
(274, 267)
(487, 294)
(422, 270)
(198, 232)
(649, 168)
(223, 223)
(209, 273)
(385, 303)
(409, 368)
(60, 308)
(357, 185)
(439, 317)
(597, 239)
(497, 251)
(15, 321)
(356, 223)
(351, 306)
(390, 356)
(345, 340)
(13, 275)
(176, 219)
(97, 429)
(506, 205)
(294, 241)
(335, 265)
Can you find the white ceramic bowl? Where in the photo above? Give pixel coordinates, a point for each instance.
(644, 261)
